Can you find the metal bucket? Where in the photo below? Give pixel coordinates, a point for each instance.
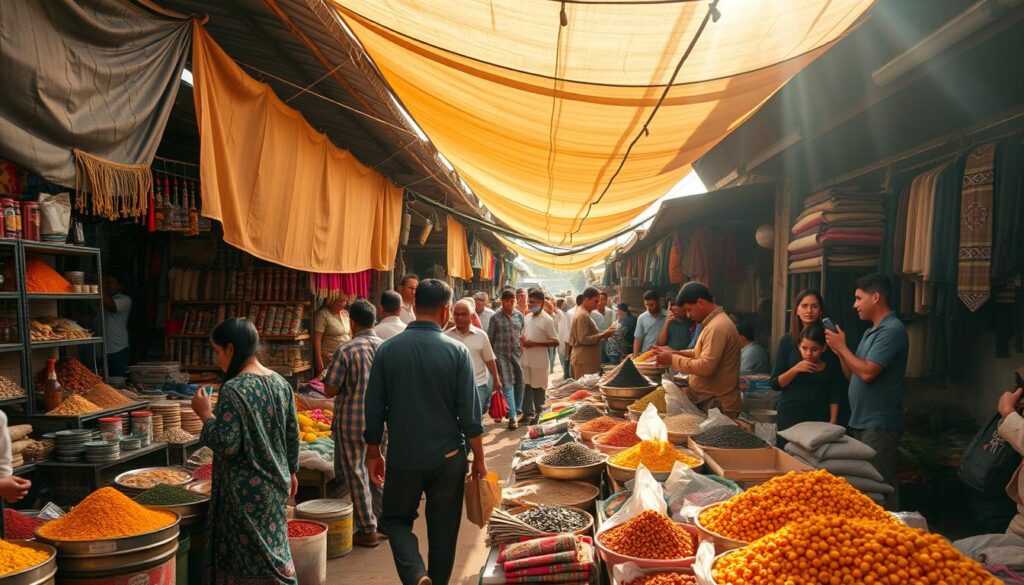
(41, 574)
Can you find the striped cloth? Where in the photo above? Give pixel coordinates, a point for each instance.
(974, 284)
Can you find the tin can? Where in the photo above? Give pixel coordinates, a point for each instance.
(142, 426)
(11, 227)
(30, 220)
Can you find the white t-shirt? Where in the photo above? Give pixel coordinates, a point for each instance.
(539, 327)
(479, 349)
(116, 323)
(485, 317)
(408, 315)
(389, 327)
(5, 448)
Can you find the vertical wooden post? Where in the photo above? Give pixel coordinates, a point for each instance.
(780, 278)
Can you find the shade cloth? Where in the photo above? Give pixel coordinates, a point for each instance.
(100, 77)
(459, 264)
(536, 116)
(283, 192)
(565, 263)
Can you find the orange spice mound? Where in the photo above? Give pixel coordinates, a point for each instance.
(105, 514)
(832, 549)
(649, 535)
(40, 278)
(671, 578)
(789, 498)
(598, 425)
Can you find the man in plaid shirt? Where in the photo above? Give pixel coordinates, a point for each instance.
(504, 330)
(346, 379)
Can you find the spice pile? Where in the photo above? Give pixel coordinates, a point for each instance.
(577, 395)
(832, 549)
(168, 495)
(585, 413)
(553, 519)
(19, 526)
(598, 425)
(204, 471)
(72, 375)
(106, 514)
(74, 405)
(154, 477)
(656, 456)
(40, 278)
(202, 456)
(664, 579)
(765, 508)
(10, 389)
(106, 396)
(657, 397)
(302, 529)
(176, 436)
(15, 558)
(571, 455)
(628, 377)
(621, 435)
(649, 535)
(683, 424)
(728, 437)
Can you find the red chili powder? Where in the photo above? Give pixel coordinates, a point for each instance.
(18, 526)
(300, 529)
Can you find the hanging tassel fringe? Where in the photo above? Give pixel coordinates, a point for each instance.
(116, 190)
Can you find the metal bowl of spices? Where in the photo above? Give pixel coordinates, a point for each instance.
(77, 553)
(542, 492)
(556, 519)
(572, 462)
(618, 405)
(138, 480)
(44, 572)
(722, 543)
(190, 506)
(634, 392)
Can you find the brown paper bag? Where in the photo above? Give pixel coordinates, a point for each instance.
(481, 497)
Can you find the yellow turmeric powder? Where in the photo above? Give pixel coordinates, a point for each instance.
(106, 513)
(656, 456)
(14, 558)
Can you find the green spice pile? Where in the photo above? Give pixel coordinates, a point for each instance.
(728, 437)
(571, 455)
(585, 413)
(553, 519)
(168, 495)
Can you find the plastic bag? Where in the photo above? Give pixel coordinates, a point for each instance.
(650, 427)
(647, 495)
(676, 401)
(704, 562)
(912, 519)
(54, 217)
(716, 419)
(688, 491)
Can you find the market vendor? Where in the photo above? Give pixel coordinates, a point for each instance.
(346, 379)
(1005, 549)
(714, 362)
(117, 306)
(585, 338)
(331, 328)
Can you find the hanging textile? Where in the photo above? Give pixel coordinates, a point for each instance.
(570, 262)
(283, 192)
(536, 115)
(487, 270)
(459, 264)
(974, 280)
(1008, 226)
(330, 286)
(88, 88)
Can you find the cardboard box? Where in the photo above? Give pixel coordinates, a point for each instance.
(749, 467)
(704, 452)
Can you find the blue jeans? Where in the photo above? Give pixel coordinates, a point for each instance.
(520, 391)
(484, 394)
(510, 398)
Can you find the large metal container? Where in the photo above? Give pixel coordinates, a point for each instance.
(41, 574)
(190, 514)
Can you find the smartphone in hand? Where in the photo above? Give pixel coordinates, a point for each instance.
(829, 324)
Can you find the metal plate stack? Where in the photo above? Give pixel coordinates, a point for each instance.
(102, 451)
(71, 444)
(131, 443)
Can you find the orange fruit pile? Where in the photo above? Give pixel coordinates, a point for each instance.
(649, 535)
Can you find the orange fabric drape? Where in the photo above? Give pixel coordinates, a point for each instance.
(459, 264)
(487, 272)
(283, 192)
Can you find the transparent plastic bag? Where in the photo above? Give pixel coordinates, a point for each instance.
(688, 491)
(704, 562)
(676, 401)
(716, 419)
(647, 495)
(650, 427)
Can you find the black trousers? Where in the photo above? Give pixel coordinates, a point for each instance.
(444, 487)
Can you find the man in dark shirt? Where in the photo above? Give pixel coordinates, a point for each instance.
(422, 384)
(676, 331)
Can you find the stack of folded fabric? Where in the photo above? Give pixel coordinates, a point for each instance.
(826, 446)
(551, 559)
(845, 227)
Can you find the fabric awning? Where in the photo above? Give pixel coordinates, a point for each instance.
(283, 192)
(567, 263)
(536, 116)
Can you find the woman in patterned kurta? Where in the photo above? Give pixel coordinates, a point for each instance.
(254, 435)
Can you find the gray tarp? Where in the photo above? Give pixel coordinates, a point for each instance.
(99, 76)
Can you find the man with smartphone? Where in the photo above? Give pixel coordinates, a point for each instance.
(876, 372)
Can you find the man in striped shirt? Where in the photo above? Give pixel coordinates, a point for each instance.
(347, 379)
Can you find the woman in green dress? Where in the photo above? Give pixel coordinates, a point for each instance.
(254, 435)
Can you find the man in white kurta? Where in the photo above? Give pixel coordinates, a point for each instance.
(539, 333)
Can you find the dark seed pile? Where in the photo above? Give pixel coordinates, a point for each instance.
(168, 495)
(553, 519)
(585, 413)
(628, 377)
(728, 437)
(571, 455)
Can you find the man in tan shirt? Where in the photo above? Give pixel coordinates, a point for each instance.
(714, 363)
(585, 339)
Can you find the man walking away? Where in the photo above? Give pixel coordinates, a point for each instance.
(876, 373)
(479, 348)
(504, 331)
(648, 325)
(423, 387)
(407, 288)
(584, 337)
(391, 323)
(483, 312)
(539, 334)
(346, 379)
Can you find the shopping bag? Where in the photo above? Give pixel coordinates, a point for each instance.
(482, 495)
(499, 408)
(989, 461)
